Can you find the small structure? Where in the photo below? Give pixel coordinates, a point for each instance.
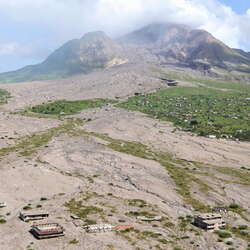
(99, 228)
(212, 137)
(220, 210)
(123, 227)
(74, 217)
(209, 221)
(46, 231)
(26, 217)
(143, 218)
(169, 82)
(139, 94)
(2, 204)
(77, 223)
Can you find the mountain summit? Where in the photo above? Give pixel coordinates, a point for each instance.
(93, 51)
(156, 43)
(181, 44)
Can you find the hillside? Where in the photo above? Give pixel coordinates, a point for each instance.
(94, 51)
(181, 44)
(122, 147)
(158, 43)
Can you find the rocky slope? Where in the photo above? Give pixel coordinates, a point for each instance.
(93, 51)
(181, 44)
(158, 43)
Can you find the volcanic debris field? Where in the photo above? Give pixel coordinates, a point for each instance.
(116, 153)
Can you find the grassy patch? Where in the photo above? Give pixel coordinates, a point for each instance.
(29, 145)
(137, 203)
(74, 241)
(64, 107)
(183, 178)
(223, 234)
(140, 213)
(243, 176)
(201, 110)
(4, 95)
(77, 208)
(240, 233)
(2, 221)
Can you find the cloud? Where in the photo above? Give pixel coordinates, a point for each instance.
(8, 49)
(46, 24)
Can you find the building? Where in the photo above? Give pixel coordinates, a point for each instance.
(209, 221)
(26, 217)
(99, 228)
(123, 227)
(220, 209)
(2, 204)
(46, 231)
(143, 218)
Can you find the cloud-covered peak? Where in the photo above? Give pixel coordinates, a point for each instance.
(46, 24)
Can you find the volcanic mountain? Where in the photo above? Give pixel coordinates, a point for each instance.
(93, 51)
(193, 47)
(156, 43)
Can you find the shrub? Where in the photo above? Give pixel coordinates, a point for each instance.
(234, 206)
(74, 241)
(242, 227)
(223, 234)
(27, 207)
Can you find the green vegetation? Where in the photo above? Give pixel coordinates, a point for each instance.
(140, 213)
(240, 233)
(77, 208)
(219, 84)
(64, 107)
(239, 210)
(202, 110)
(150, 234)
(4, 95)
(137, 203)
(74, 241)
(29, 145)
(244, 178)
(2, 221)
(223, 234)
(183, 177)
(28, 207)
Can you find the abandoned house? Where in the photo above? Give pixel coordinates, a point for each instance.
(209, 221)
(143, 218)
(45, 231)
(169, 82)
(2, 204)
(123, 227)
(34, 216)
(220, 209)
(99, 228)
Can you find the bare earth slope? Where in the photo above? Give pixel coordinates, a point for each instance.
(51, 164)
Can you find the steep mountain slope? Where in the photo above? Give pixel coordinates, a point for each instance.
(181, 44)
(93, 51)
(156, 43)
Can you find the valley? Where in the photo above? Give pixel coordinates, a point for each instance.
(104, 147)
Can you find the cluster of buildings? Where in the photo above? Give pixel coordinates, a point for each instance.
(208, 221)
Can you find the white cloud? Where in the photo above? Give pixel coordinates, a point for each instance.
(62, 20)
(8, 49)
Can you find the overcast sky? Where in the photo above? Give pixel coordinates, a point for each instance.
(31, 29)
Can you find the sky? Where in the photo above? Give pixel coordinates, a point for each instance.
(31, 29)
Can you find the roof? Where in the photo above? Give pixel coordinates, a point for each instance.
(209, 215)
(33, 212)
(209, 222)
